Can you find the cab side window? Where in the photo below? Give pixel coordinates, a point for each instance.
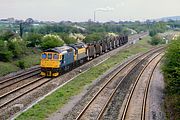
(62, 61)
(43, 56)
(49, 56)
(56, 56)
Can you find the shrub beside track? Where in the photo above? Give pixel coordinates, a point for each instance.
(171, 69)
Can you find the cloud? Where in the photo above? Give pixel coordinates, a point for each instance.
(105, 9)
(122, 3)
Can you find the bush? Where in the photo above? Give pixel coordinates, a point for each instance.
(152, 33)
(171, 70)
(94, 37)
(21, 64)
(6, 56)
(50, 41)
(17, 46)
(6, 35)
(33, 39)
(69, 40)
(156, 40)
(172, 66)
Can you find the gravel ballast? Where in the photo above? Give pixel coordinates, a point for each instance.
(156, 96)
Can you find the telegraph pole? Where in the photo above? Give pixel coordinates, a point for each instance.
(21, 29)
(95, 16)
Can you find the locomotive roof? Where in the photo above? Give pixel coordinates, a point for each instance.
(78, 45)
(59, 49)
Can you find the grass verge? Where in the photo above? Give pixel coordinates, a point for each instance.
(60, 97)
(172, 106)
(27, 61)
(7, 68)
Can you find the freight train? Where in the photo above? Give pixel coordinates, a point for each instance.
(55, 61)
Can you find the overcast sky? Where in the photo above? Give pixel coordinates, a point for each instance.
(82, 10)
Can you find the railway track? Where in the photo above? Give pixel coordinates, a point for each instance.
(16, 93)
(135, 106)
(98, 104)
(12, 84)
(19, 77)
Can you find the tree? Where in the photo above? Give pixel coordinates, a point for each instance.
(172, 66)
(156, 40)
(17, 46)
(50, 41)
(94, 37)
(171, 70)
(1, 44)
(5, 55)
(158, 27)
(33, 39)
(6, 35)
(152, 32)
(69, 40)
(126, 31)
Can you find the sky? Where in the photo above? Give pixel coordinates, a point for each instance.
(83, 10)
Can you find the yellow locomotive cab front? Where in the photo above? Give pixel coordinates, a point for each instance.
(50, 63)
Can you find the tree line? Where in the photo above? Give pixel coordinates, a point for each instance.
(12, 46)
(44, 36)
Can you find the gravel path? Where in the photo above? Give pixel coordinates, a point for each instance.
(156, 96)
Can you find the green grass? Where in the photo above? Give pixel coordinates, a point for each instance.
(60, 97)
(29, 61)
(7, 68)
(172, 106)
